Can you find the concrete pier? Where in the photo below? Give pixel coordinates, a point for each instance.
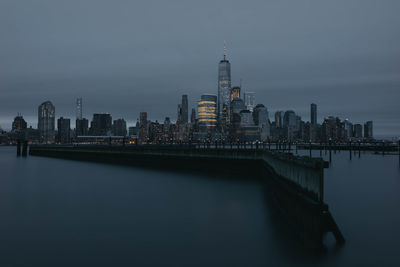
(298, 181)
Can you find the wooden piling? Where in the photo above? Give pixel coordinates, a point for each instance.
(25, 149)
(18, 148)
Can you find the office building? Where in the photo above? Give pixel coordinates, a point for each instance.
(119, 127)
(368, 134)
(290, 119)
(183, 111)
(260, 114)
(143, 127)
(46, 122)
(63, 130)
(246, 118)
(357, 131)
(279, 119)
(81, 127)
(313, 114)
(193, 116)
(101, 125)
(207, 112)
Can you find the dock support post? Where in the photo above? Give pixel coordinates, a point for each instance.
(25, 149)
(18, 148)
(350, 149)
(310, 149)
(320, 149)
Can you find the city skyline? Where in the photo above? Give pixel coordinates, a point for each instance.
(347, 63)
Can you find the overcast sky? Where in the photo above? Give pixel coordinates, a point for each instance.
(124, 56)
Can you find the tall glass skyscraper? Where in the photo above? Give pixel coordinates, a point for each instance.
(313, 114)
(46, 122)
(224, 84)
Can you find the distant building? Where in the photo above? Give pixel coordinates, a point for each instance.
(246, 118)
(119, 127)
(79, 108)
(279, 119)
(183, 112)
(193, 116)
(235, 93)
(185, 109)
(368, 133)
(46, 122)
(81, 127)
(249, 100)
(290, 119)
(348, 129)
(224, 84)
(357, 131)
(132, 131)
(101, 125)
(19, 124)
(143, 127)
(63, 130)
(207, 113)
(313, 114)
(332, 129)
(260, 112)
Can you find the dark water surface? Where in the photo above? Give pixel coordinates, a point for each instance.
(58, 212)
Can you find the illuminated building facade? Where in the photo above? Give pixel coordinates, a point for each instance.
(46, 122)
(207, 113)
(235, 93)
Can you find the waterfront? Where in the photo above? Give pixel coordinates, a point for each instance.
(61, 212)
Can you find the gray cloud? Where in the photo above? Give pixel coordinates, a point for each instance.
(124, 57)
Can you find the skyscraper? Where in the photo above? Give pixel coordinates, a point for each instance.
(119, 127)
(224, 83)
(279, 119)
(143, 127)
(207, 113)
(185, 111)
(63, 130)
(79, 108)
(46, 122)
(368, 133)
(260, 114)
(101, 124)
(81, 127)
(313, 114)
(193, 116)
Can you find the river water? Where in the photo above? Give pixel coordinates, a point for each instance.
(57, 212)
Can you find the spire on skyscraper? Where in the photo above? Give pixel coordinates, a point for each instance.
(224, 50)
